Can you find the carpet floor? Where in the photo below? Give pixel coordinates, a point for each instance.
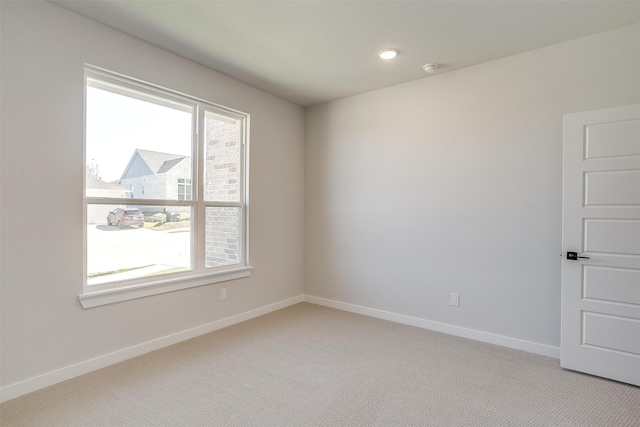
(308, 365)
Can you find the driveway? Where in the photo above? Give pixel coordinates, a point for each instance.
(110, 249)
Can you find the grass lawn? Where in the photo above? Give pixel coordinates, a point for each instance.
(156, 226)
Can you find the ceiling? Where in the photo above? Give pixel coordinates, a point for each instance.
(311, 52)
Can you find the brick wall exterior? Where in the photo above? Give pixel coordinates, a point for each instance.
(147, 187)
(223, 227)
(222, 184)
(222, 165)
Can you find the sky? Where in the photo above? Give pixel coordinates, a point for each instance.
(116, 125)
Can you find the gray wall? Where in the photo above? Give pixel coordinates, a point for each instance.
(43, 327)
(453, 183)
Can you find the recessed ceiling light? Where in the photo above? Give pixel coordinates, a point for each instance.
(388, 53)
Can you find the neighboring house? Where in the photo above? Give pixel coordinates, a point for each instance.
(156, 175)
(95, 187)
(99, 188)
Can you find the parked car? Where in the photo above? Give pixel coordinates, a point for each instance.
(125, 218)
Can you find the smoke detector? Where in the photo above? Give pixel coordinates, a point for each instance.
(430, 68)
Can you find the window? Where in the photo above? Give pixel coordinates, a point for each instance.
(165, 190)
(184, 189)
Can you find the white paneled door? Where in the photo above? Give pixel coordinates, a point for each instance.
(601, 244)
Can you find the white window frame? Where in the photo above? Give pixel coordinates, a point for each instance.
(199, 275)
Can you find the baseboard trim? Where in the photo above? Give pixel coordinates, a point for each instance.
(21, 388)
(514, 343)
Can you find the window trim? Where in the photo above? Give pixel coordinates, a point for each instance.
(125, 293)
(199, 275)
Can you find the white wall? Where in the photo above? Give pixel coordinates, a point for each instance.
(453, 183)
(43, 327)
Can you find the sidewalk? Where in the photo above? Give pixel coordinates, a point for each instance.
(131, 274)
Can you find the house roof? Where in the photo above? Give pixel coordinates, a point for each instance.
(170, 164)
(159, 162)
(94, 183)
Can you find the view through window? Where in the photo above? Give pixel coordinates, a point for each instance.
(149, 213)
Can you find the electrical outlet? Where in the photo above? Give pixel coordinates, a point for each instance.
(455, 300)
(223, 294)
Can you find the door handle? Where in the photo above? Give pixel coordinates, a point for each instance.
(574, 256)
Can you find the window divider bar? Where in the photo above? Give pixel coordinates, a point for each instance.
(146, 202)
(224, 204)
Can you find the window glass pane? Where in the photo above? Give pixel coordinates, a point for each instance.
(136, 145)
(222, 159)
(128, 242)
(222, 236)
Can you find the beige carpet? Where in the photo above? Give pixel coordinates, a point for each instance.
(308, 365)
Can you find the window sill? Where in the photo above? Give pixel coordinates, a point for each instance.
(110, 296)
